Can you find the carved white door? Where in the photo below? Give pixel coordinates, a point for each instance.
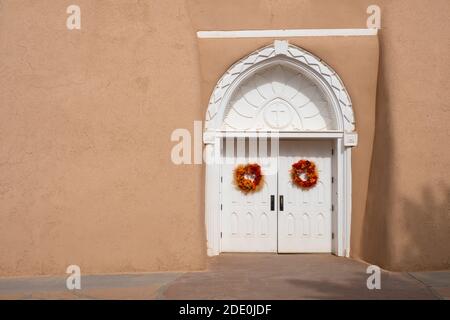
(281, 217)
(304, 217)
(248, 221)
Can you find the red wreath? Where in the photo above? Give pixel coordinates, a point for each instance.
(242, 174)
(304, 167)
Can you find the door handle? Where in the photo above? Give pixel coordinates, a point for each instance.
(272, 203)
(281, 203)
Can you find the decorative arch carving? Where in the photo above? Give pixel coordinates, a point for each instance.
(283, 55)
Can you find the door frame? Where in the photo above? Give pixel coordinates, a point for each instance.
(345, 138)
(341, 188)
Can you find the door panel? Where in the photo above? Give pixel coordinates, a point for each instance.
(248, 223)
(305, 223)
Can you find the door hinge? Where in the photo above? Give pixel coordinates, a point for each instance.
(332, 179)
(332, 151)
(221, 206)
(221, 179)
(221, 234)
(332, 207)
(332, 235)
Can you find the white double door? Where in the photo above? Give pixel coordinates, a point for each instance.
(280, 217)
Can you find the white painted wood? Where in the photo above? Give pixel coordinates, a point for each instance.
(281, 47)
(212, 198)
(286, 33)
(248, 224)
(344, 136)
(340, 204)
(317, 71)
(280, 135)
(351, 139)
(341, 199)
(304, 224)
(347, 201)
(335, 214)
(279, 98)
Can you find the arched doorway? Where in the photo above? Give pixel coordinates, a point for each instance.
(289, 104)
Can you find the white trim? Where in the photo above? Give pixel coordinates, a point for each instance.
(286, 33)
(348, 200)
(281, 134)
(339, 205)
(212, 200)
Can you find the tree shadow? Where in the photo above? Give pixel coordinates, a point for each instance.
(427, 224)
(401, 233)
(356, 289)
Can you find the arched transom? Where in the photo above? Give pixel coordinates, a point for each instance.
(279, 97)
(280, 87)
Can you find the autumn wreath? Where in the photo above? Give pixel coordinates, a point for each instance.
(307, 169)
(248, 177)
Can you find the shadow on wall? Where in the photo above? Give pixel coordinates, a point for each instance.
(426, 237)
(401, 233)
(375, 240)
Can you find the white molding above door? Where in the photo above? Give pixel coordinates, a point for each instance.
(286, 33)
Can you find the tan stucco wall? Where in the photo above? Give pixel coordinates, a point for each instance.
(407, 222)
(86, 118)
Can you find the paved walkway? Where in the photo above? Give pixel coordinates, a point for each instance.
(243, 276)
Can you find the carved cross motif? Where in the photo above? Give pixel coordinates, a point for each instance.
(277, 115)
(278, 111)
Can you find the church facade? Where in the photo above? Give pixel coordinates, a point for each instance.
(141, 137)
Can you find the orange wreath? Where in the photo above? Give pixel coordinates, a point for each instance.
(248, 178)
(308, 168)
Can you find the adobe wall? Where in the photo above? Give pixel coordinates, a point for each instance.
(86, 118)
(85, 124)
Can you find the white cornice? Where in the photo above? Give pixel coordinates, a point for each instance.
(287, 33)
